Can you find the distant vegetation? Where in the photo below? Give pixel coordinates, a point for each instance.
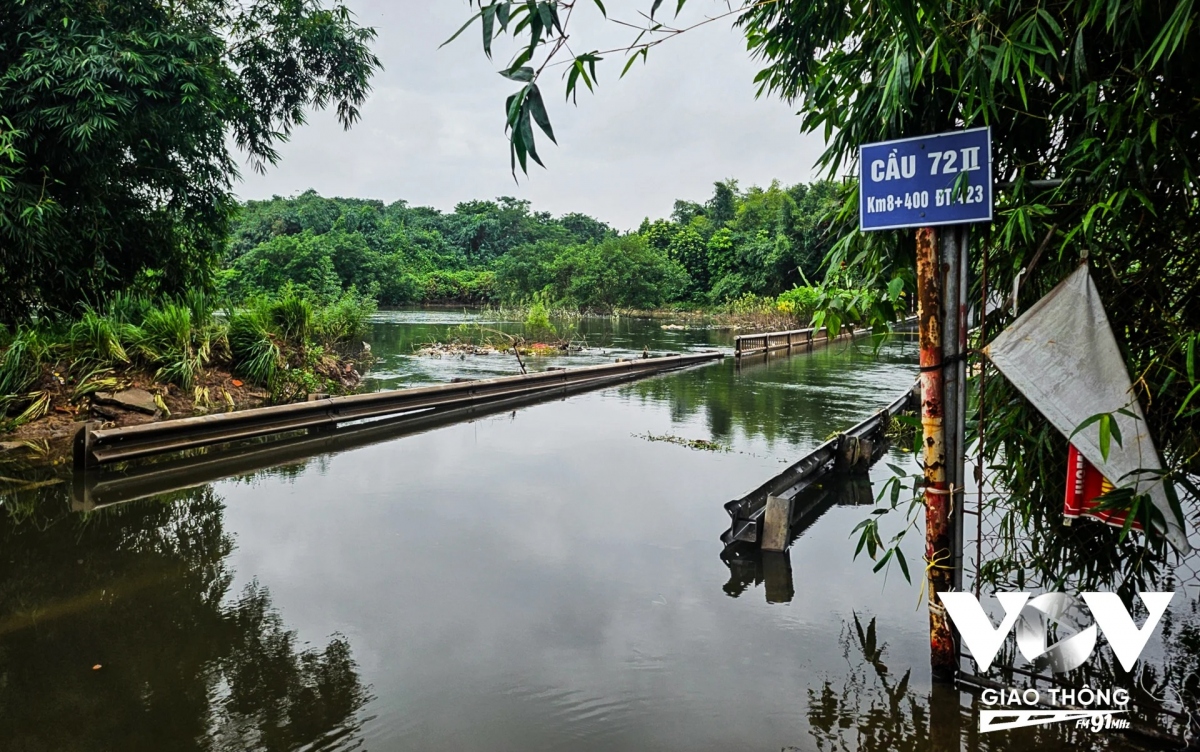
(753, 245)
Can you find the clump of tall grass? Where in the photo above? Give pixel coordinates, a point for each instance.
(284, 342)
(178, 347)
(96, 340)
(128, 308)
(345, 319)
(21, 368)
(291, 316)
(256, 348)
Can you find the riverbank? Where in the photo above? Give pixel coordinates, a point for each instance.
(141, 360)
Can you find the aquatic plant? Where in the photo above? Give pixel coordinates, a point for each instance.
(706, 445)
(537, 321)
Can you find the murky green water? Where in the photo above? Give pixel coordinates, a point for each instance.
(544, 579)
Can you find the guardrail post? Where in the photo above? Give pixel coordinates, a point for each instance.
(853, 455)
(81, 448)
(775, 523)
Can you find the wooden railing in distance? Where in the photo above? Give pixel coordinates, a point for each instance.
(765, 342)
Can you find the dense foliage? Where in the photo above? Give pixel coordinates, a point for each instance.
(115, 125)
(759, 241)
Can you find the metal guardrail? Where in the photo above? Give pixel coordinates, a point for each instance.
(765, 342)
(752, 344)
(96, 447)
(94, 491)
(746, 513)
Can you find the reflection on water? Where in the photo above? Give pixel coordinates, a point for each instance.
(539, 579)
(871, 707)
(122, 631)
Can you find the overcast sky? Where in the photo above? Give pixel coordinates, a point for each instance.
(432, 132)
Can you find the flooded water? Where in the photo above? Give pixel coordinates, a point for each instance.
(548, 578)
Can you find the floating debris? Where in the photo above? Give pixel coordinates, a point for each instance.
(702, 444)
(461, 349)
(455, 349)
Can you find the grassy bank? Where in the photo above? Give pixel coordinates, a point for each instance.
(181, 356)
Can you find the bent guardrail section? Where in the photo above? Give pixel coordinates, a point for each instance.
(858, 446)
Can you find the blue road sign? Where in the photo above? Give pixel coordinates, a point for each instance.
(914, 182)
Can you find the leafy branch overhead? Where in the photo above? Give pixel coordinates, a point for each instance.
(541, 31)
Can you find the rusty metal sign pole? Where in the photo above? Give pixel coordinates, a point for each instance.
(939, 536)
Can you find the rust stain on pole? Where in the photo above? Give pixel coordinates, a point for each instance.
(937, 501)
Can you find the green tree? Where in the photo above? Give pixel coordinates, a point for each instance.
(305, 260)
(618, 272)
(114, 156)
(722, 207)
(1098, 98)
(659, 234)
(689, 250)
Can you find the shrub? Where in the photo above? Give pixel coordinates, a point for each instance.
(728, 288)
(537, 321)
(799, 301)
(345, 319)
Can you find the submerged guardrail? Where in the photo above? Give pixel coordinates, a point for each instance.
(766, 342)
(853, 450)
(96, 447)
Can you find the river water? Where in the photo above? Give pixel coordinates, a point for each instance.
(547, 578)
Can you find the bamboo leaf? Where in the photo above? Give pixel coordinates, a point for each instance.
(1188, 399)
(1105, 435)
(538, 109)
(903, 565)
(464, 27)
(489, 19)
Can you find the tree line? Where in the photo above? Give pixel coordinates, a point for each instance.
(754, 241)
